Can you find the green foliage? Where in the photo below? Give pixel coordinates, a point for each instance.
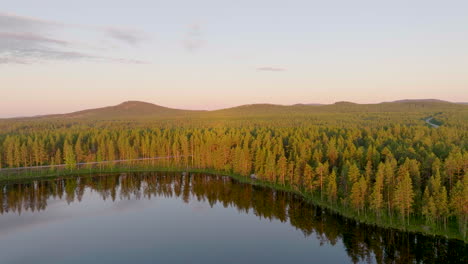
(70, 158)
(379, 159)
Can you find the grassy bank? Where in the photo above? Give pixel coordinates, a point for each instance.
(416, 224)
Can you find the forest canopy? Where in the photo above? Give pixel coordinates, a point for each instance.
(379, 160)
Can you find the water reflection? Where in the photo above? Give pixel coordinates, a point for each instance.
(363, 243)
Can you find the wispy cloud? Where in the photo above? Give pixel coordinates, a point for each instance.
(130, 36)
(193, 38)
(26, 40)
(9, 40)
(25, 48)
(16, 23)
(29, 56)
(10, 60)
(271, 69)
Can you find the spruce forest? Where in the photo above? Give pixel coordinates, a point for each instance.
(400, 164)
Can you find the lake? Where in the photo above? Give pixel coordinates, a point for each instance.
(169, 217)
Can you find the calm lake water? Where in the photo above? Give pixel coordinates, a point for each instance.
(196, 218)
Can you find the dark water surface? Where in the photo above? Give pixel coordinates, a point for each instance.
(196, 218)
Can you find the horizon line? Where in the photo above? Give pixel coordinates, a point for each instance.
(235, 106)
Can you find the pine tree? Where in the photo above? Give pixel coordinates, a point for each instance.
(442, 205)
(358, 194)
(321, 171)
(78, 150)
(459, 204)
(389, 180)
(332, 152)
(281, 169)
(376, 197)
(270, 167)
(290, 172)
(404, 194)
(309, 178)
(69, 156)
(369, 171)
(428, 206)
(24, 155)
(353, 174)
(317, 156)
(58, 157)
(17, 153)
(331, 187)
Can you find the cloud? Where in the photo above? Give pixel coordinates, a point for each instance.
(271, 69)
(29, 56)
(121, 60)
(15, 23)
(193, 38)
(12, 40)
(25, 48)
(7, 60)
(26, 40)
(130, 36)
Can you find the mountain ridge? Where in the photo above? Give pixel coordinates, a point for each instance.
(140, 109)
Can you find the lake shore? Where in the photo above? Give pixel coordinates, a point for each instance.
(416, 225)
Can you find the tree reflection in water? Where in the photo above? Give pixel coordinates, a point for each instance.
(363, 243)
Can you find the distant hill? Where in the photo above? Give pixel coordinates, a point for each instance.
(125, 110)
(311, 104)
(251, 109)
(345, 103)
(420, 101)
(142, 110)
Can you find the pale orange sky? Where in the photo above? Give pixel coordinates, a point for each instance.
(215, 54)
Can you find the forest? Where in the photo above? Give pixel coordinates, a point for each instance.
(380, 164)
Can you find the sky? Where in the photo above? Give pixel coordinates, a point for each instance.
(61, 56)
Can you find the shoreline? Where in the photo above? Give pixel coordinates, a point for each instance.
(417, 224)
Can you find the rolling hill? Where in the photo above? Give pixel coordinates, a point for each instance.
(126, 110)
(143, 110)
